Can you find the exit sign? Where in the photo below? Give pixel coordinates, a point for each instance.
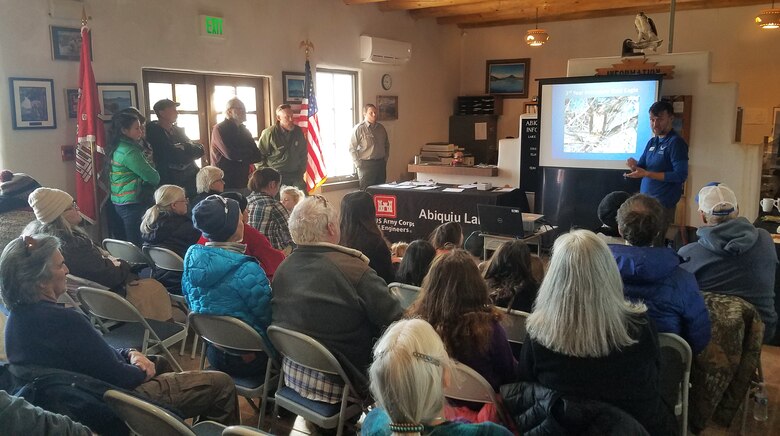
(212, 26)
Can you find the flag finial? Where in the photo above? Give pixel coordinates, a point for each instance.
(308, 45)
(83, 16)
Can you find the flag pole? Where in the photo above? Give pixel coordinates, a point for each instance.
(92, 145)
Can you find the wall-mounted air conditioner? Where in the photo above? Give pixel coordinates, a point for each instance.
(375, 50)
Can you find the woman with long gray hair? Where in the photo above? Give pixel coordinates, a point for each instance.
(585, 339)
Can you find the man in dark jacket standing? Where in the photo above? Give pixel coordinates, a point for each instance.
(174, 153)
(283, 147)
(233, 150)
(731, 256)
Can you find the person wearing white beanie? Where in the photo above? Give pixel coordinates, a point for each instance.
(57, 215)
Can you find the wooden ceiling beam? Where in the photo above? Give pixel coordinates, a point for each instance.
(361, 2)
(397, 5)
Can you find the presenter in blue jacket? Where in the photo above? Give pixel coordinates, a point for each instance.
(663, 166)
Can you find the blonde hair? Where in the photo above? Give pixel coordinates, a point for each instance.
(164, 197)
(408, 371)
(206, 176)
(309, 220)
(293, 192)
(580, 310)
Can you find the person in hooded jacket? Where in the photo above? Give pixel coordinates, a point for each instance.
(167, 224)
(654, 276)
(219, 279)
(733, 257)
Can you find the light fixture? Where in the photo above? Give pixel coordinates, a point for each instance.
(769, 18)
(536, 37)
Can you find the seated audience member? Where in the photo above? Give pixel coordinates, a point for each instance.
(614, 356)
(290, 197)
(410, 371)
(43, 333)
(607, 213)
(58, 215)
(208, 181)
(397, 251)
(360, 231)
(731, 256)
(266, 213)
(167, 224)
(510, 276)
(257, 245)
(15, 212)
(18, 417)
(330, 293)
(446, 237)
(416, 263)
(220, 279)
(454, 300)
(653, 275)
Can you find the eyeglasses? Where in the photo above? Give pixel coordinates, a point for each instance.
(430, 359)
(185, 201)
(73, 206)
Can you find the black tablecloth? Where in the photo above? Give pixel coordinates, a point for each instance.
(409, 214)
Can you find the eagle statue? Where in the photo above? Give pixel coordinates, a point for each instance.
(647, 37)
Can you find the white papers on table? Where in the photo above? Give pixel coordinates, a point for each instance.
(425, 188)
(395, 186)
(468, 186)
(452, 190)
(505, 190)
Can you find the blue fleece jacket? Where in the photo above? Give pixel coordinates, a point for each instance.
(735, 258)
(653, 275)
(218, 281)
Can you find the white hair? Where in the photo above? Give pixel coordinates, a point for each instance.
(292, 191)
(718, 219)
(309, 220)
(164, 197)
(230, 104)
(580, 309)
(408, 371)
(206, 176)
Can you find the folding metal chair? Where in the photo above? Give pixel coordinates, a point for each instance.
(406, 294)
(514, 324)
(126, 251)
(232, 333)
(242, 430)
(146, 419)
(676, 358)
(166, 259)
(306, 351)
(468, 385)
(136, 331)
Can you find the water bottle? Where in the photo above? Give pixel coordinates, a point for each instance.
(761, 406)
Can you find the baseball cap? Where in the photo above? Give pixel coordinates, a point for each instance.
(717, 200)
(164, 104)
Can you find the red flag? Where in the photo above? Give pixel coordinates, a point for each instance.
(315, 168)
(90, 136)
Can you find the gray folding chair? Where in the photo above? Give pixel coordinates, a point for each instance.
(406, 294)
(166, 259)
(514, 324)
(676, 358)
(468, 385)
(146, 419)
(232, 333)
(242, 430)
(136, 331)
(126, 251)
(306, 351)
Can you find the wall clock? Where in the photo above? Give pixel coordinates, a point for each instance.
(387, 82)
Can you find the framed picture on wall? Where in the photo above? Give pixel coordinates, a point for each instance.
(114, 97)
(72, 101)
(293, 86)
(386, 107)
(66, 43)
(507, 77)
(776, 129)
(32, 103)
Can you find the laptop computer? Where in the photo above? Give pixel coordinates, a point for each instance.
(501, 220)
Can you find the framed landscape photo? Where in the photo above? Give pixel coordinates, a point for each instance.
(72, 101)
(386, 107)
(66, 43)
(508, 77)
(293, 86)
(32, 103)
(114, 97)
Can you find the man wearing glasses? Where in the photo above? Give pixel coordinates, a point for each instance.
(233, 149)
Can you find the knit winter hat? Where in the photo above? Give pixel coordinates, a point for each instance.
(717, 200)
(609, 206)
(49, 203)
(216, 217)
(18, 185)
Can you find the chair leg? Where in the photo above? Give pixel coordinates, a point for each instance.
(195, 346)
(343, 411)
(174, 362)
(186, 334)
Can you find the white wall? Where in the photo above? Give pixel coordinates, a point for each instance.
(262, 38)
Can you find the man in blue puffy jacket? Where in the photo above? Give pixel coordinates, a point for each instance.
(654, 274)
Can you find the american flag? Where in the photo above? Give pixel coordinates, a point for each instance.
(306, 117)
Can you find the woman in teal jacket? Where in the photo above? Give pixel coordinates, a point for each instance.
(219, 279)
(131, 174)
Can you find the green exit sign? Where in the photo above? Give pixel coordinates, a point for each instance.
(212, 26)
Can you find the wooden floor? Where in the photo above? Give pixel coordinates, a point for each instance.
(770, 359)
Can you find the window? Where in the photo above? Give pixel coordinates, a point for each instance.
(203, 98)
(337, 102)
